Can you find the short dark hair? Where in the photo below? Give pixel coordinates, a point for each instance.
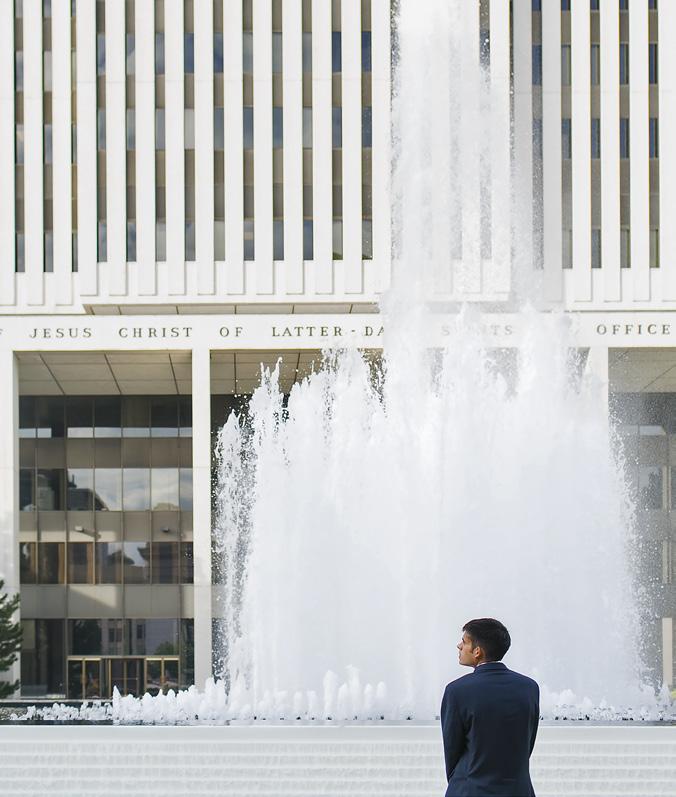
(489, 634)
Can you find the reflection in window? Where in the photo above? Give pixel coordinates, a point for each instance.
(165, 563)
(80, 562)
(28, 562)
(153, 637)
(650, 487)
(79, 418)
(51, 569)
(50, 416)
(164, 489)
(186, 563)
(185, 489)
(159, 53)
(49, 489)
(27, 490)
(26, 416)
(107, 415)
(80, 492)
(135, 489)
(109, 562)
(164, 417)
(136, 562)
(136, 419)
(108, 489)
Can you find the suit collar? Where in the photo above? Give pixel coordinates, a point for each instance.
(490, 666)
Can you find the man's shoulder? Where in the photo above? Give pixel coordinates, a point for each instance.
(525, 680)
(459, 684)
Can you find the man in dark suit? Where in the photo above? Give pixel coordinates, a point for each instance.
(489, 719)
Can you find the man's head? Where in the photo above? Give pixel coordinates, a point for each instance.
(482, 641)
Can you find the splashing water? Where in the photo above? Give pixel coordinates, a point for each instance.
(366, 519)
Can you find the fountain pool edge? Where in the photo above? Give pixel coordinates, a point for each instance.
(315, 760)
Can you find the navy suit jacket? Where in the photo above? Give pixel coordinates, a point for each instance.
(489, 720)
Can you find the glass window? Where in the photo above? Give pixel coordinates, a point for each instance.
(537, 64)
(567, 246)
(366, 128)
(136, 489)
(131, 54)
(161, 241)
(654, 137)
(27, 490)
(337, 239)
(108, 486)
(186, 563)
(652, 62)
(189, 128)
(109, 562)
(42, 658)
(247, 53)
(595, 64)
(367, 239)
(26, 416)
(80, 492)
(596, 138)
(307, 128)
(366, 51)
(159, 53)
(219, 130)
(218, 53)
(136, 417)
(624, 63)
(136, 562)
(278, 239)
(308, 240)
(189, 53)
(277, 127)
(107, 414)
(624, 137)
(85, 637)
(307, 52)
(336, 56)
(28, 566)
(131, 240)
(249, 239)
(131, 129)
(49, 251)
(565, 5)
(337, 128)
(48, 143)
(654, 248)
(50, 416)
(596, 248)
(18, 145)
(51, 568)
(185, 489)
(650, 486)
(102, 243)
(159, 128)
(18, 70)
(565, 65)
(80, 562)
(185, 416)
(248, 118)
(165, 563)
(164, 489)
(164, 417)
(161, 637)
(277, 54)
(49, 489)
(625, 248)
(79, 417)
(100, 53)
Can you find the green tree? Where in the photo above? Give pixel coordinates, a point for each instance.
(10, 639)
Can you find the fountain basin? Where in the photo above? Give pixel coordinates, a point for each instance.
(333, 759)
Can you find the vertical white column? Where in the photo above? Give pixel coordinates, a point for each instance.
(638, 148)
(204, 147)
(351, 95)
(7, 197)
(234, 148)
(668, 651)
(174, 144)
(144, 32)
(523, 137)
(116, 150)
(262, 58)
(469, 272)
(322, 169)
(9, 488)
(292, 26)
(667, 100)
(499, 267)
(380, 153)
(610, 150)
(61, 154)
(551, 152)
(85, 22)
(33, 151)
(581, 165)
(201, 475)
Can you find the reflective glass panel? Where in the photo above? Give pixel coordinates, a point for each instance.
(108, 489)
(85, 637)
(107, 417)
(49, 412)
(186, 563)
(80, 562)
(161, 637)
(137, 562)
(185, 489)
(28, 562)
(164, 417)
(136, 417)
(27, 490)
(165, 562)
(136, 489)
(49, 489)
(650, 485)
(80, 491)
(79, 417)
(109, 562)
(51, 568)
(26, 416)
(75, 691)
(164, 488)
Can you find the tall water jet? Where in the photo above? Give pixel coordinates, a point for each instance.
(386, 501)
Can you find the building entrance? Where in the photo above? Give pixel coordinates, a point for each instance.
(91, 678)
